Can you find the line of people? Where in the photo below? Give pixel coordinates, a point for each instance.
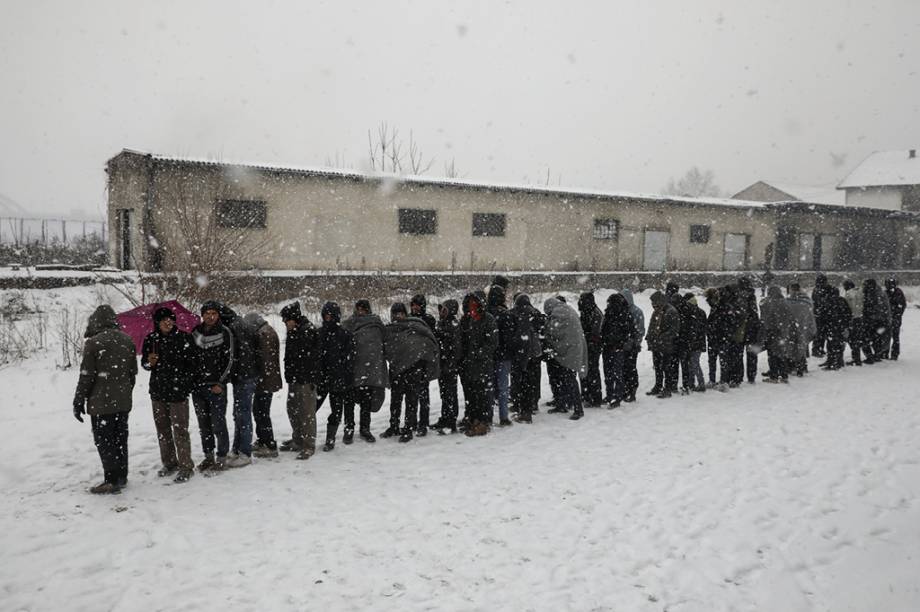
(492, 350)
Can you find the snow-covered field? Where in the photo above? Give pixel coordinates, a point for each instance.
(770, 497)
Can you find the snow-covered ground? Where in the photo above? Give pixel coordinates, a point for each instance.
(770, 497)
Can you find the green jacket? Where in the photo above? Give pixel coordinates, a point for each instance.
(109, 366)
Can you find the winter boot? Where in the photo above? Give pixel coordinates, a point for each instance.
(665, 394)
(105, 488)
(390, 432)
(577, 415)
(653, 391)
(523, 418)
(406, 435)
(207, 464)
(630, 398)
(265, 451)
(330, 443)
(421, 431)
(367, 436)
(505, 423)
(349, 436)
(183, 476)
(167, 470)
(613, 404)
(239, 460)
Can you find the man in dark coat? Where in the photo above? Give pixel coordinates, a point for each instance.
(693, 341)
(715, 334)
(778, 335)
(898, 304)
(618, 335)
(214, 343)
(301, 354)
(876, 319)
(803, 313)
(447, 334)
(567, 355)
(417, 308)
(476, 362)
(244, 376)
(107, 373)
(734, 317)
(498, 308)
(591, 319)
(336, 358)
(661, 338)
(819, 299)
(631, 357)
(370, 377)
(837, 326)
(748, 297)
(412, 352)
(169, 355)
(268, 365)
(527, 360)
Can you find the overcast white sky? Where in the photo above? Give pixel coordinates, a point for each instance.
(616, 95)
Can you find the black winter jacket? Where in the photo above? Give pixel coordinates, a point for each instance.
(618, 329)
(172, 378)
(215, 351)
(477, 347)
(447, 334)
(300, 354)
(336, 358)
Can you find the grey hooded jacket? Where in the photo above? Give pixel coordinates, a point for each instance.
(565, 340)
(638, 315)
(409, 341)
(370, 367)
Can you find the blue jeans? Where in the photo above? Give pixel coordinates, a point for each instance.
(243, 393)
(502, 381)
(211, 412)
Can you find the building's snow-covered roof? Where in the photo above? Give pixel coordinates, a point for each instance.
(884, 168)
(566, 192)
(814, 194)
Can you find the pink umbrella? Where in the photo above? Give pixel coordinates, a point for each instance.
(138, 322)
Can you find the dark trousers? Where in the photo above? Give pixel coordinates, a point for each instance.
(835, 346)
(262, 415)
(110, 433)
(615, 375)
(553, 375)
(779, 366)
(337, 398)
(424, 406)
(713, 356)
(856, 339)
(447, 387)
(569, 395)
(479, 396)
(895, 333)
(881, 339)
(631, 372)
(666, 367)
(525, 385)
(817, 347)
(730, 358)
(407, 386)
(750, 361)
(591, 385)
(211, 412)
(363, 397)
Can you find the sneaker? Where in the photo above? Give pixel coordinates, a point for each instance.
(105, 488)
(207, 464)
(630, 398)
(239, 461)
(551, 402)
(367, 436)
(700, 389)
(183, 476)
(664, 394)
(304, 455)
(329, 445)
(685, 390)
(167, 470)
(557, 410)
(220, 463)
(349, 436)
(505, 423)
(390, 432)
(576, 415)
(290, 446)
(653, 391)
(406, 435)
(477, 429)
(265, 452)
(422, 431)
(613, 404)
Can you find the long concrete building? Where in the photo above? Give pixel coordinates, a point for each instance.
(168, 214)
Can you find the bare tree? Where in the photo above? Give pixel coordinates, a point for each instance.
(450, 169)
(695, 183)
(388, 153)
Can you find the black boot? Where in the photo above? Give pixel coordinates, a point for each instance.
(421, 431)
(367, 436)
(329, 445)
(349, 436)
(577, 415)
(390, 432)
(653, 391)
(406, 435)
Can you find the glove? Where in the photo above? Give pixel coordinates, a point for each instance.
(79, 409)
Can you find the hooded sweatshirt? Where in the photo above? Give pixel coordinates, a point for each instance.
(565, 340)
(268, 353)
(369, 368)
(108, 367)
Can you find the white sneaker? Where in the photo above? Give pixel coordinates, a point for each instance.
(239, 461)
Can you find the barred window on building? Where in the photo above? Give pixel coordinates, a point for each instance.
(699, 234)
(488, 224)
(418, 221)
(241, 214)
(605, 229)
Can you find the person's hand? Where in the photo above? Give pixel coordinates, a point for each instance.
(79, 409)
(152, 359)
(217, 389)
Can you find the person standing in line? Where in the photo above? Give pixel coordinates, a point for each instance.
(804, 315)
(244, 378)
(778, 335)
(107, 373)
(715, 334)
(525, 368)
(735, 320)
(411, 350)
(336, 371)
(498, 308)
(619, 335)
(478, 341)
(819, 298)
(300, 374)
(268, 366)
(661, 338)
(418, 308)
(876, 319)
(838, 328)
(631, 357)
(854, 297)
(591, 320)
(898, 304)
(748, 296)
(214, 344)
(370, 369)
(447, 334)
(169, 355)
(695, 339)
(567, 355)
